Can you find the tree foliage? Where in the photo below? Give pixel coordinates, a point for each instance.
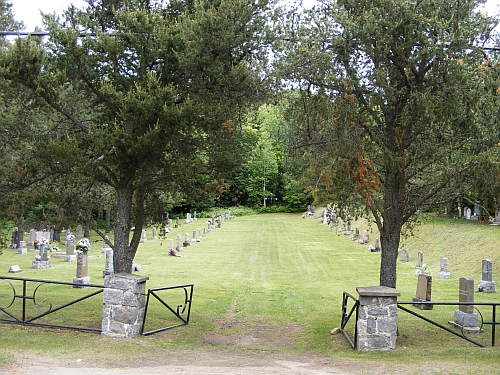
(400, 99)
(156, 92)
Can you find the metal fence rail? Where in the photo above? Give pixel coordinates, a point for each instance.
(493, 322)
(182, 311)
(44, 307)
(346, 316)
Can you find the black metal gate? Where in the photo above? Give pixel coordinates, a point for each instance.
(37, 302)
(462, 333)
(181, 311)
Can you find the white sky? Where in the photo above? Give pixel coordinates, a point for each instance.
(28, 11)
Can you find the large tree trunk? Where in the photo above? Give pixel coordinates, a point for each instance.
(124, 247)
(390, 233)
(122, 256)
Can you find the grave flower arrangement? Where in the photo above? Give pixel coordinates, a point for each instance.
(70, 238)
(83, 245)
(53, 247)
(43, 241)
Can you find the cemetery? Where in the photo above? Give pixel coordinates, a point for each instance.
(251, 180)
(238, 277)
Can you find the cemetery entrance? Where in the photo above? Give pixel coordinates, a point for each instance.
(46, 303)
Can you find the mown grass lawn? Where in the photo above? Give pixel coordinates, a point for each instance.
(274, 283)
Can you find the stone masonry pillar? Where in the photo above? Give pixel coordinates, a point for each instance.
(124, 304)
(377, 318)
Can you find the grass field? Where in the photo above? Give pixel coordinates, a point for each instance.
(274, 283)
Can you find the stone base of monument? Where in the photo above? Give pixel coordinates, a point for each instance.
(487, 286)
(426, 306)
(70, 258)
(444, 275)
(467, 322)
(22, 251)
(39, 264)
(81, 281)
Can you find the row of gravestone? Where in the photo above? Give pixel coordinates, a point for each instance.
(464, 317)
(35, 236)
(486, 285)
(42, 260)
(363, 239)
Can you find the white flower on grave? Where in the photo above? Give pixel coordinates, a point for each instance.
(83, 245)
(70, 238)
(44, 241)
(422, 270)
(53, 247)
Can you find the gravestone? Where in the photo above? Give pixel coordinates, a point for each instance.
(423, 294)
(355, 236)
(341, 226)
(38, 238)
(170, 227)
(153, 233)
(171, 250)
(15, 269)
(194, 216)
(468, 213)
(487, 285)
(193, 239)
(22, 248)
(443, 270)
(348, 232)
(186, 240)
(465, 318)
(204, 232)
(70, 248)
(404, 255)
(79, 231)
(377, 245)
(364, 237)
(108, 265)
(179, 243)
(143, 236)
(32, 239)
(477, 209)
(420, 259)
(82, 270)
(42, 259)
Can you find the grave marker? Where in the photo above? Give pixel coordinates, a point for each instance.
(443, 270)
(22, 248)
(420, 259)
(82, 270)
(465, 318)
(487, 285)
(404, 255)
(423, 293)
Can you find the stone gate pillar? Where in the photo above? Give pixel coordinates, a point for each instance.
(124, 304)
(377, 318)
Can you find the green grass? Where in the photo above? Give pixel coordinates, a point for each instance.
(279, 279)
